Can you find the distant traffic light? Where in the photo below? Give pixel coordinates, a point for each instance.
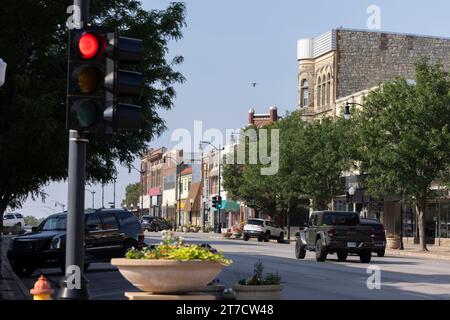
(214, 202)
(121, 83)
(86, 73)
(219, 202)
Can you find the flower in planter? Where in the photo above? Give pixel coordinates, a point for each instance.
(259, 279)
(174, 248)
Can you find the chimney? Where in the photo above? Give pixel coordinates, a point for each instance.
(273, 114)
(251, 116)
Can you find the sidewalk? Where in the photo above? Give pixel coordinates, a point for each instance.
(11, 287)
(435, 252)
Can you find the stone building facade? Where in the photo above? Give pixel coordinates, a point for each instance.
(335, 66)
(343, 66)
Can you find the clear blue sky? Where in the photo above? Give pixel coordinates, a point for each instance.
(229, 44)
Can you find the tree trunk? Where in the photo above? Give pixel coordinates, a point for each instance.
(288, 218)
(420, 209)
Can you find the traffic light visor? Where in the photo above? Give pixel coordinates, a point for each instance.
(88, 45)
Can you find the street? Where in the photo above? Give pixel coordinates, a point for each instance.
(401, 277)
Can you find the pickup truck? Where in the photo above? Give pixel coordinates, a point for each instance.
(330, 232)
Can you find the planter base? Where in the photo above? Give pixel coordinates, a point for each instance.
(187, 296)
(258, 292)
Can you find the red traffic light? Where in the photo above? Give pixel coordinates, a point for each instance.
(88, 46)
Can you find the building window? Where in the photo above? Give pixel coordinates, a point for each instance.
(329, 89)
(319, 91)
(304, 95)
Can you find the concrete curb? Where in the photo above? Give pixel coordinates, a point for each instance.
(424, 255)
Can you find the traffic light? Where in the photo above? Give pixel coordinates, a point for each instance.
(122, 84)
(214, 202)
(86, 73)
(97, 85)
(219, 202)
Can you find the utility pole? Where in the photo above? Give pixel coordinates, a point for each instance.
(75, 286)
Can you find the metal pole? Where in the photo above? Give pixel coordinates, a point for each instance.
(142, 196)
(402, 247)
(103, 196)
(114, 195)
(75, 286)
(219, 209)
(179, 194)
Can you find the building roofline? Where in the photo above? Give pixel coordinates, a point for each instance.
(392, 33)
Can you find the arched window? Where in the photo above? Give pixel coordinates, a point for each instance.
(304, 93)
(319, 91)
(324, 88)
(329, 96)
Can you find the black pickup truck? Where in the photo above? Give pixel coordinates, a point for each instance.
(330, 232)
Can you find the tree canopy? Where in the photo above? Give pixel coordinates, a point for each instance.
(132, 194)
(405, 137)
(33, 139)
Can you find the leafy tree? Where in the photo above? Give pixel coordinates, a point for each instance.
(132, 194)
(32, 221)
(33, 140)
(405, 140)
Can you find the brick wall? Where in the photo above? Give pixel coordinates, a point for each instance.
(365, 59)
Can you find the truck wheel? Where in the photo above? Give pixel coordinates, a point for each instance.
(381, 253)
(281, 238)
(245, 237)
(321, 251)
(365, 256)
(267, 237)
(300, 250)
(342, 256)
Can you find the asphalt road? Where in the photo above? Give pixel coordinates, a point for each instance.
(401, 277)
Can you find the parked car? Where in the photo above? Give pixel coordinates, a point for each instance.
(155, 224)
(379, 239)
(330, 232)
(263, 230)
(13, 221)
(110, 233)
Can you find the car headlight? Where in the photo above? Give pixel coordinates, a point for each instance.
(55, 243)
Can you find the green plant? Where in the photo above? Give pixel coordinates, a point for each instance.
(174, 248)
(258, 278)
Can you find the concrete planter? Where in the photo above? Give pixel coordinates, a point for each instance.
(393, 243)
(168, 276)
(272, 292)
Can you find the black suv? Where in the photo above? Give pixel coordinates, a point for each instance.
(110, 233)
(156, 224)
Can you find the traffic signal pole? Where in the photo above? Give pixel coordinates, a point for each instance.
(75, 286)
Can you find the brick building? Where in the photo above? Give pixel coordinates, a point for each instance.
(342, 66)
(262, 119)
(339, 64)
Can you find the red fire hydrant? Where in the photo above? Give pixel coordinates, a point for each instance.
(42, 289)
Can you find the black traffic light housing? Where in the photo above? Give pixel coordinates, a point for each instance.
(122, 84)
(219, 202)
(96, 84)
(85, 79)
(214, 202)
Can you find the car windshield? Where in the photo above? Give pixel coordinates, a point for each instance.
(340, 219)
(54, 224)
(255, 222)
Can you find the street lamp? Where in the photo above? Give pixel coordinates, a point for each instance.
(59, 204)
(347, 108)
(219, 149)
(190, 213)
(3, 66)
(351, 193)
(141, 172)
(178, 164)
(93, 197)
